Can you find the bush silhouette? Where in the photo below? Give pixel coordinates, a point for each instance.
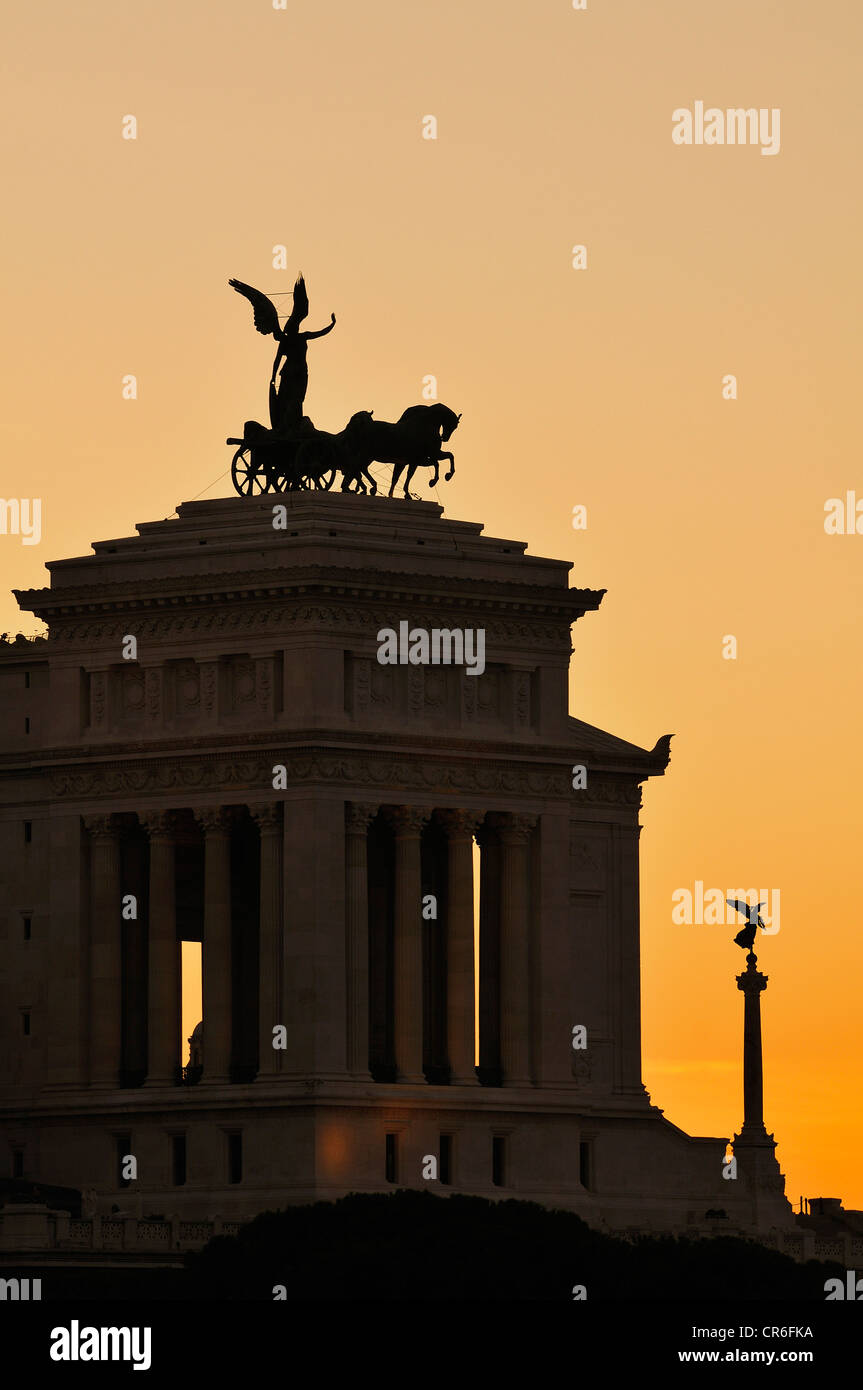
(414, 1245)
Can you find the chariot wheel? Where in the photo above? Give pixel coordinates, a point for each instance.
(314, 458)
(248, 479)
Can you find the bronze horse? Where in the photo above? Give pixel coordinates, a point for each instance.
(412, 442)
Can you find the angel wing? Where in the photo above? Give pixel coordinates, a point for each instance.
(745, 908)
(266, 315)
(300, 308)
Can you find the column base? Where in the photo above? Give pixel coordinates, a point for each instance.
(403, 1079)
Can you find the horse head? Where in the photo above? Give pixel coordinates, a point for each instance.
(359, 419)
(449, 421)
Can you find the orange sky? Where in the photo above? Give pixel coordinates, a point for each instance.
(599, 387)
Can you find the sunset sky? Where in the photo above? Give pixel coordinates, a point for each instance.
(599, 387)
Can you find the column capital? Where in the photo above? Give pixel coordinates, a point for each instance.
(358, 815)
(265, 814)
(513, 828)
(460, 824)
(407, 821)
(101, 827)
(159, 824)
(213, 819)
(752, 981)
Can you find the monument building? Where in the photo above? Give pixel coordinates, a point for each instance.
(414, 881)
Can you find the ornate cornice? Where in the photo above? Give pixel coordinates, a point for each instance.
(309, 596)
(282, 581)
(306, 617)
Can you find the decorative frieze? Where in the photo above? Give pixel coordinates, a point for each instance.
(345, 619)
(416, 774)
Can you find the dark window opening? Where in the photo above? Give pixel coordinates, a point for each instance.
(445, 1165)
(584, 1163)
(28, 927)
(178, 1159)
(18, 1163)
(124, 1146)
(26, 726)
(28, 831)
(498, 1160)
(235, 1158)
(26, 680)
(25, 1022)
(392, 1158)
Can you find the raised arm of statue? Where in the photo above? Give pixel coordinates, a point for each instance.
(322, 331)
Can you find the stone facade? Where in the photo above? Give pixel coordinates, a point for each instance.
(256, 779)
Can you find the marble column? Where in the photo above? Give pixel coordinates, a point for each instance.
(460, 927)
(270, 1059)
(216, 963)
(752, 982)
(105, 951)
(357, 818)
(759, 1174)
(407, 823)
(514, 832)
(163, 954)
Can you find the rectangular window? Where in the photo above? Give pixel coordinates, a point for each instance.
(28, 831)
(18, 1163)
(178, 1159)
(445, 1165)
(26, 680)
(123, 1151)
(235, 1158)
(28, 924)
(498, 1160)
(584, 1163)
(26, 726)
(392, 1158)
(25, 1024)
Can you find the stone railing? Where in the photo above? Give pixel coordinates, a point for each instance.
(843, 1248)
(33, 1226)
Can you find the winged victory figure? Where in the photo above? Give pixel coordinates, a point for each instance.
(288, 392)
(746, 938)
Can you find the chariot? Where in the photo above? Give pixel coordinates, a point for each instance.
(283, 461)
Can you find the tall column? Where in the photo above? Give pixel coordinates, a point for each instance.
(217, 991)
(357, 818)
(460, 981)
(514, 832)
(759, 1174)
(752, 982)
(266, 814)
(163, 954)
(407, 823)
(105, 951)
